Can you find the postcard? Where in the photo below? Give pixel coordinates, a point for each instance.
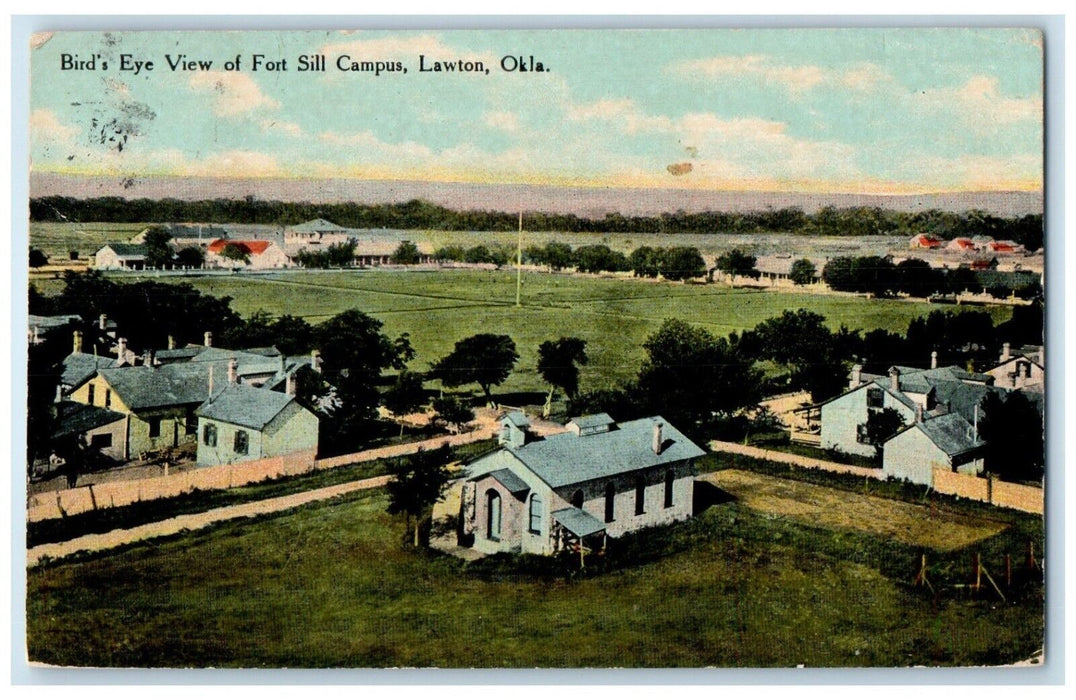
(562, 348)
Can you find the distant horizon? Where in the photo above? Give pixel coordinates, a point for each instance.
(547, 198)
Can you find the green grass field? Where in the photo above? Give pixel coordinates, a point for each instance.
(332, 585)
(57, 239)
(614, 316)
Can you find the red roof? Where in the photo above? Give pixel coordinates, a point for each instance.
(962, 243)
(1002, 247)
(249, 247)
(925, 240)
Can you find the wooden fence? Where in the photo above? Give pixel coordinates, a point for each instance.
(114, 494)
(992, 490)
(796, 460)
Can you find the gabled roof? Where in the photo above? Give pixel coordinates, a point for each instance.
(595, 420)
(244, 405)
(950, 432)
(79, 367)
(182, 383)
(515, 486)
(249, 247)
(578, 522)
(318, 226)
(76, 418)
(567, 458)
(47, 322)
(517, 419)
(126, 250)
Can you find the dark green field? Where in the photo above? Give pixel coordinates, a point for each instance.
(439, 307)
(333, 585)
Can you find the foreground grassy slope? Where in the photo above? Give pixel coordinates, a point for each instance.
(439, 307)
(331, 585)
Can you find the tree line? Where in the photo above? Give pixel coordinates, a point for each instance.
(417, 214)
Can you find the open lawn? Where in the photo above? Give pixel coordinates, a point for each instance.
(332, 585)
(57, 239)
(439, 307)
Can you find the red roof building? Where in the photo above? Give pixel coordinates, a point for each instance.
(925, 240)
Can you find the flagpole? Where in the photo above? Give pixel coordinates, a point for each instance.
(519, 258)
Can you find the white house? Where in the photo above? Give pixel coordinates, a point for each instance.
(947, 441)
(1020, 370)
(261, 255)
(600, 479)
(243, 422)
(120, 256)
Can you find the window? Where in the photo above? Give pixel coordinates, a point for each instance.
(242, 442)
(862, 436)
(669, 489)
(154, 427)
(577, 498)
(209, 435)
(610, 494)
(493, 515)
(536, 514)
(875, 398)
(108, 398)
(640, 496)
(89, 396)
(101, 441)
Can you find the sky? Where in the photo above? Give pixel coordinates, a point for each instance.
(814, 110)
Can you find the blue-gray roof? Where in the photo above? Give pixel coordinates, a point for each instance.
(517, 419)
(951, 433)
(594, 420)
(244, 405)
(79, 367)
(579, 522)
(510, 481)
(567, 458)
(76, 418)
(141, 387)
(318, 225)
(48, 322)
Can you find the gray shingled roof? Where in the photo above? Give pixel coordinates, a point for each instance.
(567, 458)
(248, 406)
(177, 384)
(48, 322)
(79, 367)
(76, 418)
(510, 481)
(517, 419)
(951, 433)
(579, 522)
(318, 225)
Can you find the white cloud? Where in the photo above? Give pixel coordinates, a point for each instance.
(46, 127)
(980, 104)
(233, 94)
(755, 66)
(622, 113)
(365, 144)
(287, 128)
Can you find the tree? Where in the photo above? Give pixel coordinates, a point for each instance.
(682, 263)
(645, 261)
(917, 278)
(1012, 430)
(418, 482)
(689, 375)
(38, 258)
(737, 263)
(599, 258)
(477, 255)
(485, 359)
(880, 426)
(557, 255)
(405, 396)
(450, 253)
(803, 272)
(453, 411)
(236, 252)
(158, 252)
(190, 256)
(801, 341)
(406, 254)
(557, 363)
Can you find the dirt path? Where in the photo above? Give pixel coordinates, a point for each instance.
(842, 510)
(194, 521)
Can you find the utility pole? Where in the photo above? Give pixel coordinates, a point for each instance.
(519, 258)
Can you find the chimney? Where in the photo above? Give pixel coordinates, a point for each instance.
(233, 371)
(1005, 352)
(208, 339)
(77, 342)
(210, 382)
(315, 360)
(171, 342)
(934, 359)
(656, 446)
(289, 385)
(35, 336)
(857, 376)
(918, 413)
(147, 358)
(121, 349)
(894, 379)
(59, 393)
(102, 321)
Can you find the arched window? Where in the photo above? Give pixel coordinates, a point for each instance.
(493, 515)
(610, 494)
(640, 496)
(536, 514)
(577, 498)
(668, 489)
